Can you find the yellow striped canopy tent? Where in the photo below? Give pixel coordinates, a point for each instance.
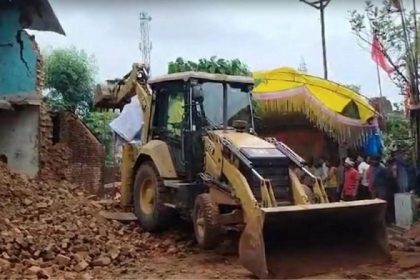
(333, 108)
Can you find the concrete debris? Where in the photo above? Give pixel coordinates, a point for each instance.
(52, 230)
(81, 266)
(101, 261)
(47, 230)
(63, 260)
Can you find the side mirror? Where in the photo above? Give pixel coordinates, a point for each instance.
(197, 93)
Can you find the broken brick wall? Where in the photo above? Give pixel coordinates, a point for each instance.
(112, 174)
(85, 155)
(54, 157)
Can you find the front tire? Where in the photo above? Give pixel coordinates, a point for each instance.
(206, 226)
(148, 199)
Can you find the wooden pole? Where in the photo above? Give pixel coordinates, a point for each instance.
(324, 47)
(380, 89)
(321, 5)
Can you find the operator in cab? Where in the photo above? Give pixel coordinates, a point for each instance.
(175, 113)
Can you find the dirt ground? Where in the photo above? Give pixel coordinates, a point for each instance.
(55, 230)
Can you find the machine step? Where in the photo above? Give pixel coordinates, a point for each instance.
(176, 184)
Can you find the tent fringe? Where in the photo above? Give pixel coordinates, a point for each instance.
(343, 129)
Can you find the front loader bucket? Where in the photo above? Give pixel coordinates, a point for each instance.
(302, 240)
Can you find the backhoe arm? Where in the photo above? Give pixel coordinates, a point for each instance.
(116, 93)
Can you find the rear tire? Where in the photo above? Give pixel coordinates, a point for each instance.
(206, 226)
(148, 199)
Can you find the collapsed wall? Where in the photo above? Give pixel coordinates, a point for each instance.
(39, 240)
(67, 148)
(70, 151)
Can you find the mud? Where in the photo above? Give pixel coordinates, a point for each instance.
(53, 230)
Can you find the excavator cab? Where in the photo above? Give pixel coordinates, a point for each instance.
(202, 161)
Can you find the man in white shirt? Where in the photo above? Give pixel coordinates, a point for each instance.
(364, 192)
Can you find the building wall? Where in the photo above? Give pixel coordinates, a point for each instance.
(72, 153)
(19, 138)
(306, 142)
(18, 57)
(21, 78)
(87, 153)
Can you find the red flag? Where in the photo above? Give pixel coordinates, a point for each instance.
(379, 57)
(396, 4)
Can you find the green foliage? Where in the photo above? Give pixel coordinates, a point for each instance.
(69, 79)
(390, 31)
(212, 65)
(397, 134)
(355, 88)
(98, 123)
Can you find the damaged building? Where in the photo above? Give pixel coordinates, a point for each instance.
(33, 140)
(21, 81)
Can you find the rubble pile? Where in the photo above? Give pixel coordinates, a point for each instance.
(404, 240)
(50, 229)
(405, 261)
(54, 166)
(53, 158)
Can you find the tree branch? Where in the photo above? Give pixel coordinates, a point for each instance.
(386, 56)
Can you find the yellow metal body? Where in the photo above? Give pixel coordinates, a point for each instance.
(128, 160)
(157, 151)
(276, 240)
(264, 248)
(154, 150)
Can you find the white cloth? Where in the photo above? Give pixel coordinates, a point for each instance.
(363, 168)
(129, 123)
(349, 162)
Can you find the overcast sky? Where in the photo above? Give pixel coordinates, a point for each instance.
(264, 34)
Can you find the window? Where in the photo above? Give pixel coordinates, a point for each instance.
(238, 103)
(170, 108)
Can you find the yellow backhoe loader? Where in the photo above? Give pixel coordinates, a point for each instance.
(200, 159)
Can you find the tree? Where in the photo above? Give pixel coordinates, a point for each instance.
(396, 31)
(98, 123)
(396, 28)
(355, 88)
(212, 65)
(69, 79)
(397, 133)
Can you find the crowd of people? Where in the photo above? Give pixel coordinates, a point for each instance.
(366, 178)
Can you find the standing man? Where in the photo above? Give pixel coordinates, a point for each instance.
(320, 170)
(379, 185)
(340, 176)
(402, 172)
(364, 192)
(351, 181)
(377, 177)
(331, 186)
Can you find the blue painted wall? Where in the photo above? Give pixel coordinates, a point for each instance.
(17, 60)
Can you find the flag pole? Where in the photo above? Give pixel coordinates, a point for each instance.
(378, 74)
